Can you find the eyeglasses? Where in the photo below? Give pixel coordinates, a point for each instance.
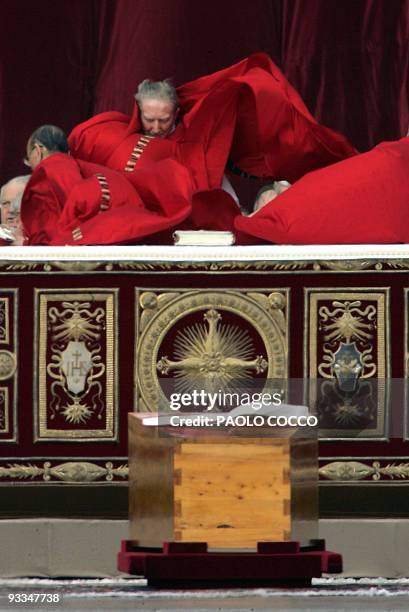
(26, 160)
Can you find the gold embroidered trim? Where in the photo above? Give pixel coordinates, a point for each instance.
(76, 233)
(137, 152)
(106, 194)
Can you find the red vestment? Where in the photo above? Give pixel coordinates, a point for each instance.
(359, 200)
(247, 113)
(68, 201)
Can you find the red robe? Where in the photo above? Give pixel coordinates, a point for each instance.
(359, 200)
(247, 113)
(68, 201)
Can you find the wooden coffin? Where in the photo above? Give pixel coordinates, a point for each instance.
(228, 491)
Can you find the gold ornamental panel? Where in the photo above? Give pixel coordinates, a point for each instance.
(75, 385)
(346, 360)
(216, 336)
(8, 366)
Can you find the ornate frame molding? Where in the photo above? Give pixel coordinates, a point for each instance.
(209, 266)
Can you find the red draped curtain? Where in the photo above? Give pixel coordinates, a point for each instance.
(63, 61)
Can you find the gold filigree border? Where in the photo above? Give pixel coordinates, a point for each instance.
(208, 267)
(341, 471)
(59, 471)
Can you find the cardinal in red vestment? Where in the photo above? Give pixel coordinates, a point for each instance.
(362, 200)
(246, 117)
(70, 201)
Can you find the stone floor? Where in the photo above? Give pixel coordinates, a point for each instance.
(337, 594)
(52, 552)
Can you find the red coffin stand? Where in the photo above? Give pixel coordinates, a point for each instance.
(184, 564)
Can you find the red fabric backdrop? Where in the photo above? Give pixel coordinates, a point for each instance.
(63, 61)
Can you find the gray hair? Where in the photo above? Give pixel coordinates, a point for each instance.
(51, 137)
(15, 204)
(157, 90)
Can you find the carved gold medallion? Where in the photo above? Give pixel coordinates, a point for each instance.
(208, 338)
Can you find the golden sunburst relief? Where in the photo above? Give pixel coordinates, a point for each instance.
(347, 414)
(347, 410)
(76, 412)
(347, 321)
(213, 355)
(76, 322)
(346, 325)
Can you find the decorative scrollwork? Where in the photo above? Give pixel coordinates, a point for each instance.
(356, 470)
(70, 471)
(342, 323)
(76, 266)
(324, 266)
(3, 320)
(20, 266)
(213, 266)
(345, 265)
(76, 364)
